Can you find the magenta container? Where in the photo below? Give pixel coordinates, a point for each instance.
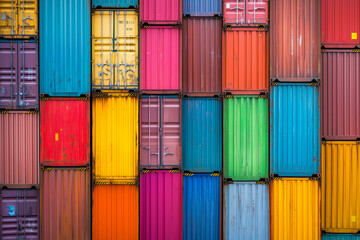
(161, 204)
(160, 11)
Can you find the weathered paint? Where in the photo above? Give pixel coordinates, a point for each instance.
(115, 3)
(294, 129)
(19, 148)
(65, 47)
(246, 211)
(340, 186)
(246, 138)
(115, 126)
(202, 8)
(160, 11)
(295, 209)
(160, 140)
(202, 134)
(340, 237)
(115, 49)
(65, 132)
(115, 212)
(161, 205)
(340, 95)
(201, 206)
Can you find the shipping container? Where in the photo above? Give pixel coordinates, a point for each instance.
(202, 134)
(161, 204)
(201, 56)
(115, 49)
(294, 129)
(160, 11)
(246, 138)
(340, 23)
(340, 237)
(160, 134)
(65, 48)
(115, 212)
(115, 123)
(202, 8)
(295, 40)
(19, 216)
(245, 61)
(19, 148)
(340, 186)
(202, 201)
(65, 132)
(246, 211)
(340, 96)
(65, 205)
(295, 209)
(160, 58)
(115, 3)
(19, 75)
(19, 18)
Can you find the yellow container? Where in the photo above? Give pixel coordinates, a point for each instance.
(115, 49)
(19, 18)
(340, 207)
(295, 209)
(115, 138)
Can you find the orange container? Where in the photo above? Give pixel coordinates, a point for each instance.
(115, 212)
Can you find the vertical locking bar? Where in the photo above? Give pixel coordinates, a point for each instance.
(101, 59)
(125, 49)
(117, 49)
(110, 41)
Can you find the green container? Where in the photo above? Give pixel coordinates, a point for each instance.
(246, 138)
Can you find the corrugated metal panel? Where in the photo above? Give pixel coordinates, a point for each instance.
(202, 8)
(115, 212)
(246, 13)
(65, 47)
(160, 58)
(340, 187)
(19, 75)
(294, 129)
(19, 18)
(65, 204)
(340, 23)
(340, 237)
(160, 140)
(161, 205)
(160, 11)
(65, 132)
(202, 56)
(19, 214)
(202, 134)
(340, 103)
(115, 42)
(115, 3)
(115, 137)
(295, 40)
(202, 194)
(245, 61)
(246, 211)
(295, 209)
(19, 148)
(246, 138)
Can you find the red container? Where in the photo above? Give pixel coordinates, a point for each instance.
(295, 40)
(161, 205)
(340, 23)
(340, 96)
(19, 149)
(160, 11)
(65, 132)
(201, 57)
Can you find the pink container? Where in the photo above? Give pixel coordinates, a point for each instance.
(160, 11)
(161, 205)
(160, 58)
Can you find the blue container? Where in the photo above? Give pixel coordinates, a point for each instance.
(201, 206)
(65, 47)
(202, 134)
(341, 237)
(294, 129)
(246, 211)
(202, 8)
(115, 3)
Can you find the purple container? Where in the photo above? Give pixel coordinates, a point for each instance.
(19, 75)
(19, 217)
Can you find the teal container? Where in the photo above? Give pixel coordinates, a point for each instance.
(115, 3)
(340, 237)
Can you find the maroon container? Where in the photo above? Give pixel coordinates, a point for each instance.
(19, 214)
(19, 75)
(340, 96)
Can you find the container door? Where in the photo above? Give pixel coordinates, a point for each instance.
(235, 11)
(27, 17)
(170, 132)
(8, 17)
(8, 75)
(256, 11)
